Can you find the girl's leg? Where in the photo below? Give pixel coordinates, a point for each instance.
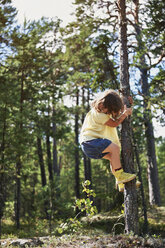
(114, 157)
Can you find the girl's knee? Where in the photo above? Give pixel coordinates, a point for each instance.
(112, 148)
(115, 148)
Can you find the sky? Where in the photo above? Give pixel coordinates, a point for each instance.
(63, 9)
(35, 9)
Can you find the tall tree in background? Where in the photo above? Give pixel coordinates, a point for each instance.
(28, 72)
(89, 66)
(153, 180)
(144, 206)
(155, 38)
(86, 160)
(77, 162)
(130, 194)
(7, 15)
(77, 57)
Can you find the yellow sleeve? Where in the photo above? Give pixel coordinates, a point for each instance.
(100, 118)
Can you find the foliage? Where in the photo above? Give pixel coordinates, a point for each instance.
(43, 67)
(84, 205)
(98, 231)
(155, 24)
(161, 165)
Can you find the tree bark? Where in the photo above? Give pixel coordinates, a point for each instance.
(55, 157)
(2, 170)
(41, 161)
(153, 180)
(56, 161)
(18, 192)
(145, 225)
(18, 158)
(130, 194)
(87, 161)
(77, 177)
(43, 174)
(49, 157)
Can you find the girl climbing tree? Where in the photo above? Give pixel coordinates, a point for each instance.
(130, 195)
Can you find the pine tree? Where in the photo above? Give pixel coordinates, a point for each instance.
(130, 194)
(7, 15)
(154, 189)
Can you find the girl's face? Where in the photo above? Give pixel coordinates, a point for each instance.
(115, 115)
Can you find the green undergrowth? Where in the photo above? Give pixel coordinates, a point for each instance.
(156, 219)
(102, 223)
(34, 228)
(113, 222)
(110, 222)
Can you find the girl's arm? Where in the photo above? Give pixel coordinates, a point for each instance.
(117, 121)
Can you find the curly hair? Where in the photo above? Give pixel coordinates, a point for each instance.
(109, 99)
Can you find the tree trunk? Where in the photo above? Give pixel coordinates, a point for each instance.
(153, 180)
(49, 157)
(41, 161)
(145, 225)
(87, 161)
(87, 169)
(77, 177)
(55, 157)
(43, 174)
(18, 192)
(2, 170)
(130, 194)
(18, 158)
(56, 163)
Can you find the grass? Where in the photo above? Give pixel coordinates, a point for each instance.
(156, 219)
(102, 223)
(27, 230)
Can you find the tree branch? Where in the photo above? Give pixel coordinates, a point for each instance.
(159, 60)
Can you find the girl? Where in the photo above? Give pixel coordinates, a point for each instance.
(99, 138)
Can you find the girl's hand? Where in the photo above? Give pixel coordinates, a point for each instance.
(130, 100)
(119, 119)
(127, 111)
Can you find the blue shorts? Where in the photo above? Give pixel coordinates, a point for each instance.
(94, 148)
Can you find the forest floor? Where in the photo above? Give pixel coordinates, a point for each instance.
(100, 231)
(95, 241)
